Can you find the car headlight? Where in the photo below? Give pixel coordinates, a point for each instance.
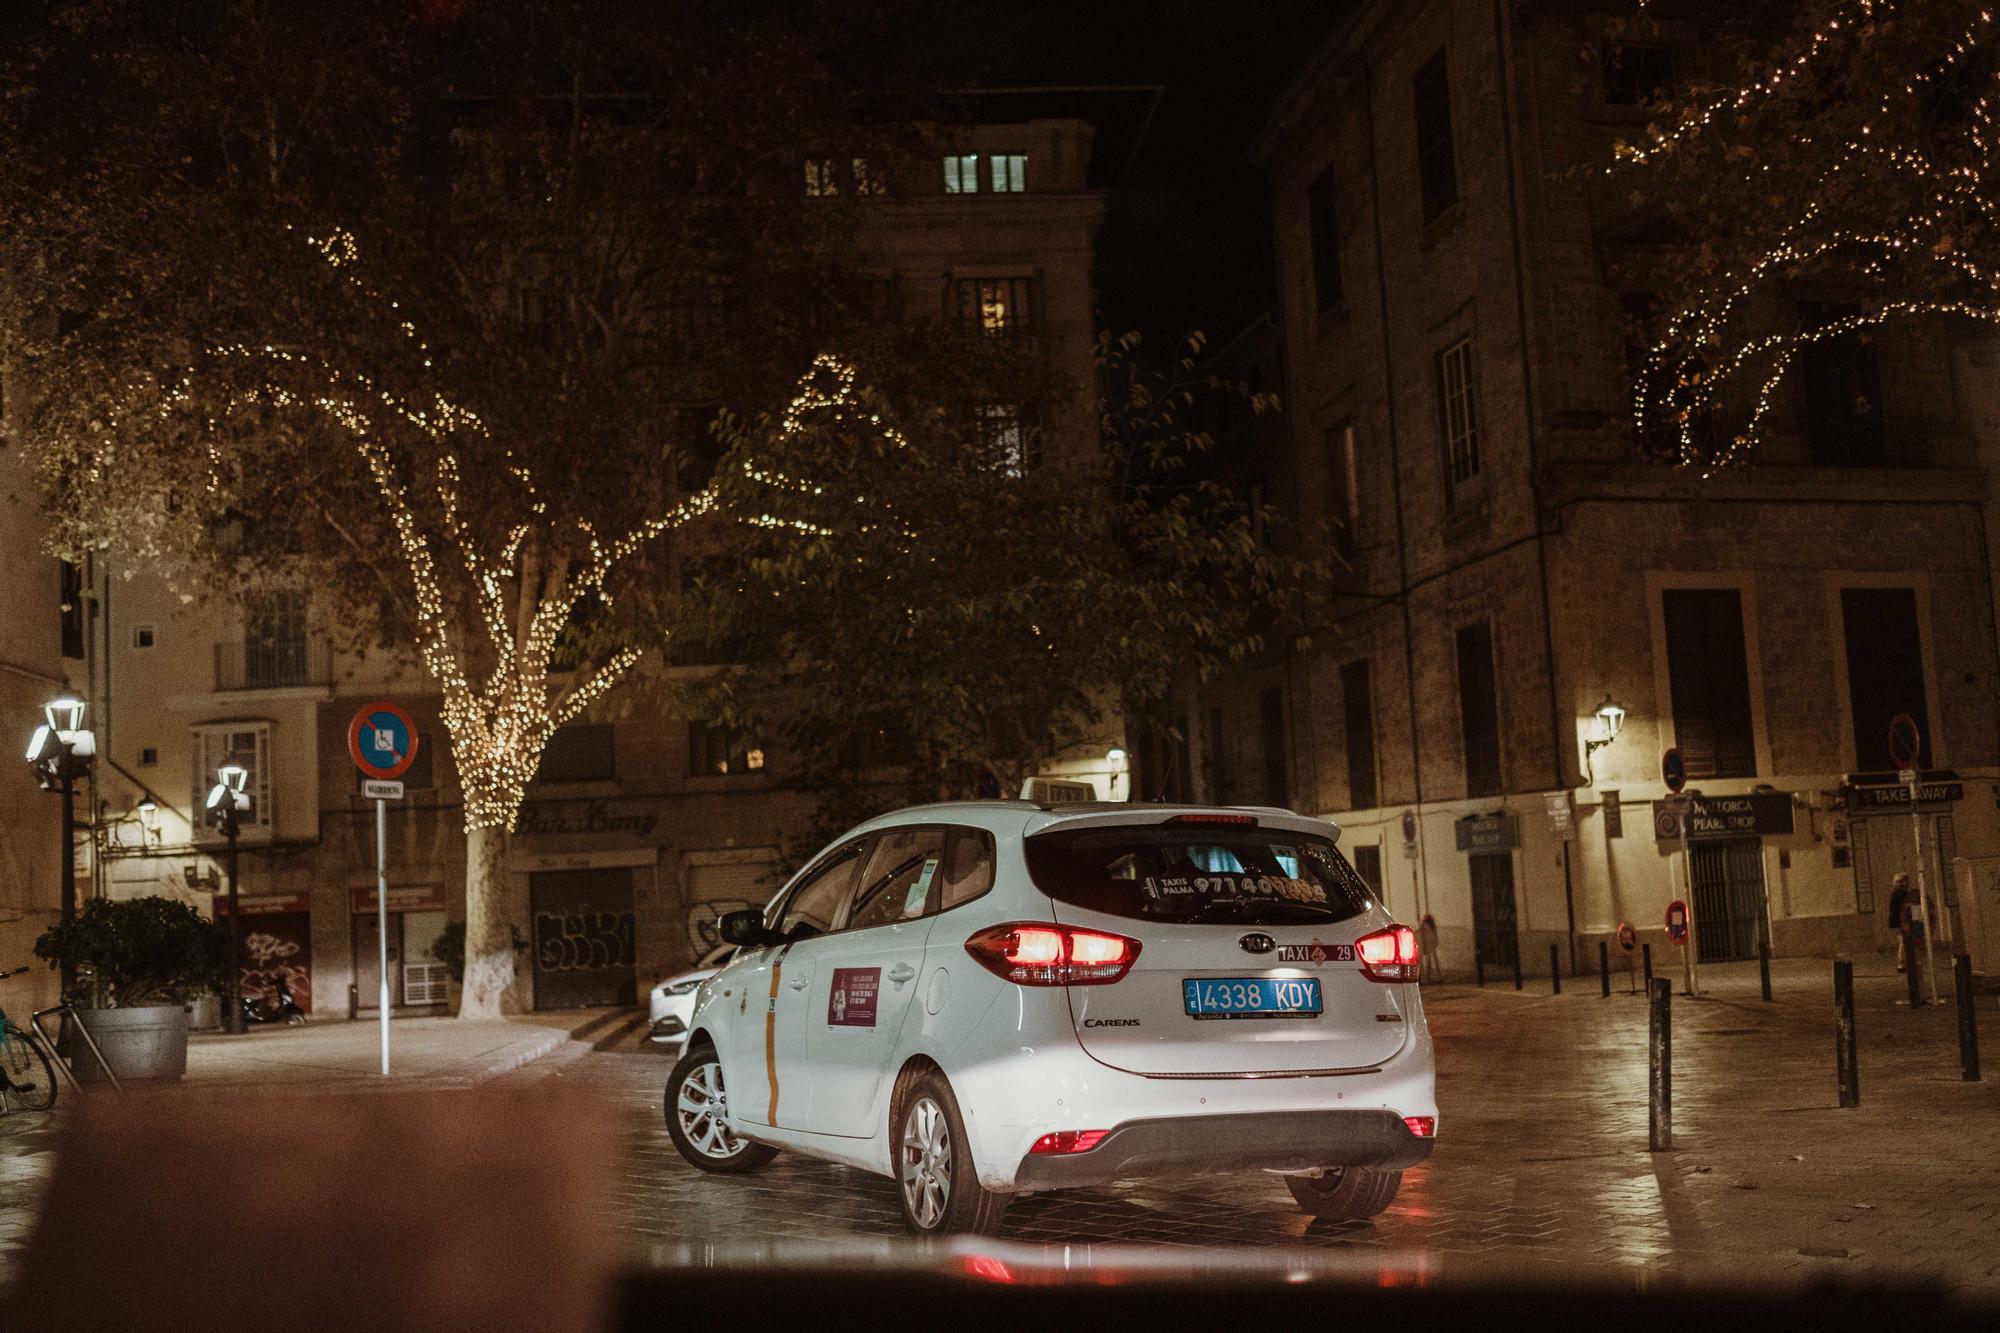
(679, 987)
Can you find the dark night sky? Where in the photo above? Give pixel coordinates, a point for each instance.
(1188, 241)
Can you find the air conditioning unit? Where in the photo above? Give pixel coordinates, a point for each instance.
(1057, 791)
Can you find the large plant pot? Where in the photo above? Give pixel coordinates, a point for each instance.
(205, 1014)
(148, 1042)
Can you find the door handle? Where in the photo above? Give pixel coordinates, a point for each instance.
(901, 973)
(797, 983)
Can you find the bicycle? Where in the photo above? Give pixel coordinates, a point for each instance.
(27, 1074)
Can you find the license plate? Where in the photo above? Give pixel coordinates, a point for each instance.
(1252, 997)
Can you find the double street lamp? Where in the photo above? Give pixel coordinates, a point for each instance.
(60, 753)
(228, 806)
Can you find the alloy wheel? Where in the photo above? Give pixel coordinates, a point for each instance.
(700, 1104)
(925, 1162)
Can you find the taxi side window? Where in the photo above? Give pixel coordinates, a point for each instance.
(896, 886)
(968, 867)
(811, 908)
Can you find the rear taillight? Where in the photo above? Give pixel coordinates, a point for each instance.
(1423, 1126)
(1069, 1140)
(1388, 955)
(1033, 954)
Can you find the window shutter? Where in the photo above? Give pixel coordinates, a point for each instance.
(1709, 677)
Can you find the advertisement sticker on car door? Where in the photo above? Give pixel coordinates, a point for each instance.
(851, 1003)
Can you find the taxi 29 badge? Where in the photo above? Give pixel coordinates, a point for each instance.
(1316, 953)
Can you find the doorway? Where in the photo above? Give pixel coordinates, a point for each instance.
(1728, 898)
(1493, 929)
(585, 937)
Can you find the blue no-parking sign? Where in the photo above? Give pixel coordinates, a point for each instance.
(1673, 770)
(382, 741)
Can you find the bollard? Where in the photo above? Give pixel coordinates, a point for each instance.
(353, 1002)
(1555, 971)
(1843, 1033)
(1764, 967)
(1517, 965)
(1968, 1027)
(1660, 1066)
(1479, 968)
(1604, 966)
(1646, 952)
(1913, 973)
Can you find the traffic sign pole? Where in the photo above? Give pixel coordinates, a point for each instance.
(1906, 747)
(382, 922)
(1673, 771)
(382, 741)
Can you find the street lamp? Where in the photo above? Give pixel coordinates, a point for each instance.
(60, 753)
(1115, 756)
(228, 805)
(1610, 721)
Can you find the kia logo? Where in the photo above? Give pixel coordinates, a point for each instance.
(1257, 943)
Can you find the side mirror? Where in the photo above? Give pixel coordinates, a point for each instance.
(745, 929)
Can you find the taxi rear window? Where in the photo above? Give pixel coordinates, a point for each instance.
(1229, 876)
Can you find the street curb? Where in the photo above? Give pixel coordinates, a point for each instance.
(524, 1055)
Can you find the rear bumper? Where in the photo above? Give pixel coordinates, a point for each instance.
(1192, 1145)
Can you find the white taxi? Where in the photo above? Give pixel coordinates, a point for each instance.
(986, 999)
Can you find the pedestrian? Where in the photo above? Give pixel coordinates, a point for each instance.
(1427, 949)
(1900, 903)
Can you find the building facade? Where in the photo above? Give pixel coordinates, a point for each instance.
(1518, 583)
(42, 644)
(643, 825)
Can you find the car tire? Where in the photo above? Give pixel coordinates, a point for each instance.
(695, 1103)
(1346, 1192)
(937, 1186)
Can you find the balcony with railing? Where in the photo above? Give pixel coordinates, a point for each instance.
(279, 664)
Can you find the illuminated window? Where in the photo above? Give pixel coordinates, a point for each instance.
(961, 173)
(247, 744)
(715, 751)
(1008, 172)
(1006, 438)
(996, 307)
(820, 179)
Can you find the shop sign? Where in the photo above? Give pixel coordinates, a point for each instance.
(1488, 833)
(1878, 793)
(265, 904)
(402, 898)
(1757, 815)
(546, 821)
(1562, 816)
(1614, 816)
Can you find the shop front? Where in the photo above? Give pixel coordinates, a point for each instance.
(277, 945)
(1723, 839)
(1892, 835)
(416, 920)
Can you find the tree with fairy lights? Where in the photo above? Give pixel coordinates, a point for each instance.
(1840, 185)
(424, 308)
(956, 604)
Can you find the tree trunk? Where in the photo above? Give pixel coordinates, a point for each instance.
(489, 943)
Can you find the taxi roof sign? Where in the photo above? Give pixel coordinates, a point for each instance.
(1057, 791)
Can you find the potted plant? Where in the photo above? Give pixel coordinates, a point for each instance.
(146, 957)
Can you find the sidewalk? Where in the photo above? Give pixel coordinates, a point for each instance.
(423, 1052)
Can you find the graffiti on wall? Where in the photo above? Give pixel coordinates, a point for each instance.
(268, 956)
(584, 940)
(704, 922)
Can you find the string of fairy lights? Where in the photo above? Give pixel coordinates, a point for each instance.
(501, 718)
(1686, 374)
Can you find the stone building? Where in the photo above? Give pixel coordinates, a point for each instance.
(642, 826)
(42, 643)
(1455, 356)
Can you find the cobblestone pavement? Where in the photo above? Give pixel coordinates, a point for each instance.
(1541, 1164)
